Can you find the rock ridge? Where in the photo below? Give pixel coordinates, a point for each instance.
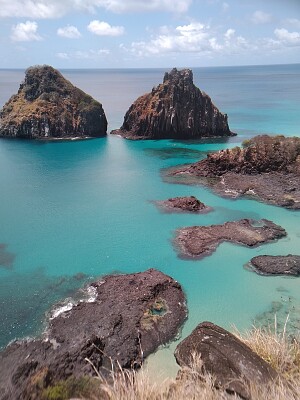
(174, 109)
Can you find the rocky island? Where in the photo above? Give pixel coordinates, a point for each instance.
(183, 204)
(201, 241)
(266, 168)
(130, 317)
(175, 109)
(275, 265)
(47, 106)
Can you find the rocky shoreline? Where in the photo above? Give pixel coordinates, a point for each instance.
(266, 169)
(131, 316)
(200, 241)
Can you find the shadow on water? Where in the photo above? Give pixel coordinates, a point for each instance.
(22, 312)
(6, 258)
(166, 153)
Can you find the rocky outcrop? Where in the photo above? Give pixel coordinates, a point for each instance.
(183, 204)
(49, 106)
(174, 109)
(232, 363)
(276, 265)
(201, 241)
(266, 168)
(132, 315)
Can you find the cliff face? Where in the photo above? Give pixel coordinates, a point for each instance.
(49, 106)
(174, 109)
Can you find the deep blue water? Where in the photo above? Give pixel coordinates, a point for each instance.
(72, 211)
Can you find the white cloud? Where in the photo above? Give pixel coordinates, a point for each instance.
(102, 28)
(293, 21)
(25, 32)
(70, 32)
(229, 33)
(192, 38)
(84, 54)
(286, 37)
(58, 8)
(260, 17)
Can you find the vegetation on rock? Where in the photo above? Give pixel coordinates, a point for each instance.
(49, 106)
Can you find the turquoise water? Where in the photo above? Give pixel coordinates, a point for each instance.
(72, 211)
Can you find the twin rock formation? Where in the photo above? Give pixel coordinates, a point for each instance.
(49, 106)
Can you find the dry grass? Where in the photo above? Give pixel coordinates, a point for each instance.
(282, 352)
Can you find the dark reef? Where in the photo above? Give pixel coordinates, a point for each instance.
(174, 109)
(132, 315)
(200, 241)
(276, 265)
(48, 106)
(183, 204)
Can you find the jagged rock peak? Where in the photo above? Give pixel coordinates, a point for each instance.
(175, 76)
(49, 106)
(174, 109)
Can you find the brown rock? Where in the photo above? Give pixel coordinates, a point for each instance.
(47, 106)
(183, 204)
(230, 361)
(132, 315)
(174, 109)
(200, 241)
(266, 168)
(276, 265)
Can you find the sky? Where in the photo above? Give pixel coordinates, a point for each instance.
(148, 33)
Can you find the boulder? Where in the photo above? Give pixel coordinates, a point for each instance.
(174, 109)
(233, 364)
(200, 241)
(47, 106)
(276, 265)
(183, 204)
(130, 318)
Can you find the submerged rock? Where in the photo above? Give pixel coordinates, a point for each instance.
(132, 315)
(276, 265)
(183, 204)
(174, 109)
(49, 106)
(233, 364)
(200, 241)
(266, 168)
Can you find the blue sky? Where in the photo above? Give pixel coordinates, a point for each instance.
(150, 33)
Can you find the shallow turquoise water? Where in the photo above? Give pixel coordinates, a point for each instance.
(86, 207)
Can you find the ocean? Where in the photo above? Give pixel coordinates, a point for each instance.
(73, 211)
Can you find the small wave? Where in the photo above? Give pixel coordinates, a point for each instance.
(61, 309)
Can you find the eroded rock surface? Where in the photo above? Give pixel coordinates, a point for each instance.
(233, 364)
(174, 109)
(267, 169)
(276, 265)
(49, 106)
(183, 204)
(200, 241)
(132, 315)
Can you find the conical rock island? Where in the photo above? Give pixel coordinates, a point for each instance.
(174, 109)
(48, 106)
